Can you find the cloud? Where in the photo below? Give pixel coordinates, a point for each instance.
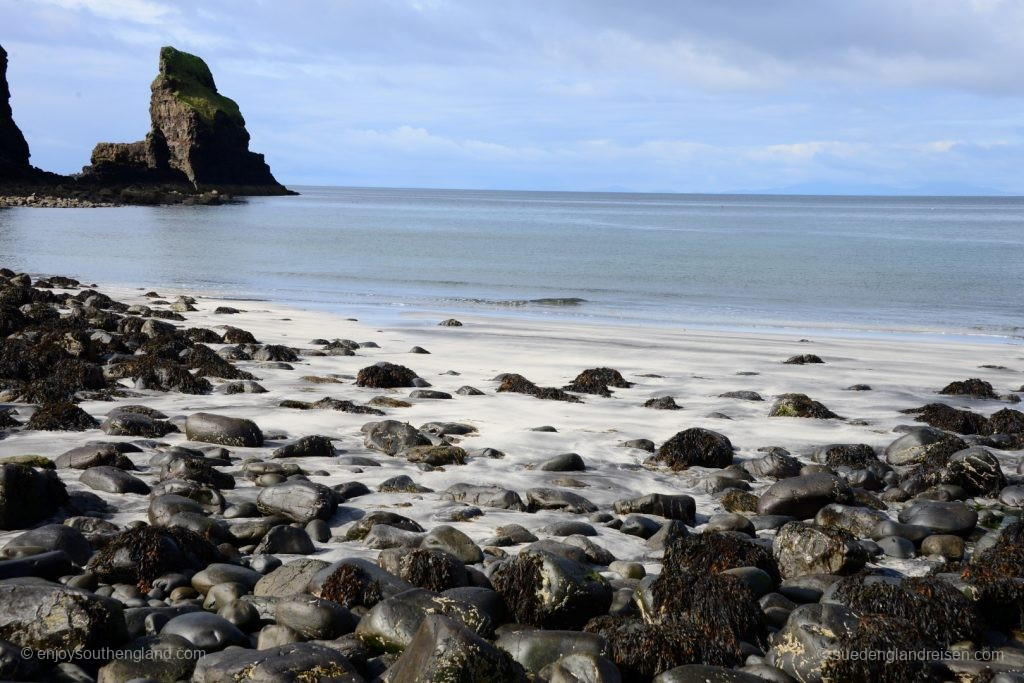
(681, 95)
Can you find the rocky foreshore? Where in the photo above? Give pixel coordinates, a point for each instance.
(109, 197)
(213, 494)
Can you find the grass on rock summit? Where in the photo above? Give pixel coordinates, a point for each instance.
(192, 82)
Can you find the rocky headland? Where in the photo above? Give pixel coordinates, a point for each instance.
(278, 495)
(197, 150)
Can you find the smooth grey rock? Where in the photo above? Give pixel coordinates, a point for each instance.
(941, 517)
(488, 496)
(566, 462)
(803, 496)
(288, 663)
(451, 540)
(48, 538)
(224, 430)
(392, 623)
(287, 540)
(444, 649)
(315, 618)
(671, 506)
(207, 632)
(298, 500)
(801, 548)
(536, 649)
(113, 480)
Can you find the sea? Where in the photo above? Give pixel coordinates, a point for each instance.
(841, 265)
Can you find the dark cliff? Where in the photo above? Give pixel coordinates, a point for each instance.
(13, 148)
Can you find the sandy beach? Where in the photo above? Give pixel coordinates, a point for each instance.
(546, 485)
(694, 368)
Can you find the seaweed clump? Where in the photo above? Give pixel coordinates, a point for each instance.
(140, 555)
(884, 635)
(642, 650)
(518, 583)
(597, 381)
(942, 416)
(385, 376)
(54, 417)
(517, 384)
(701, 554)
(713, 604)
(695, 447)
(978, 388)
(351, 586)
(434, 570)
(940, 612)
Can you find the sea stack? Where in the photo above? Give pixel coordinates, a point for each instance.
(14, 152)
(198, 136)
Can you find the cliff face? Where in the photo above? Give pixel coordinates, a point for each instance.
(13, 148)
(198, 136)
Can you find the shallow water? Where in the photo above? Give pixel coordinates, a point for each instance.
(864, 264)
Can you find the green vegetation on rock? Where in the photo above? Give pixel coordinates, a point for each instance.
(192, 82)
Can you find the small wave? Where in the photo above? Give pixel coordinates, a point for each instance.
(516, 303)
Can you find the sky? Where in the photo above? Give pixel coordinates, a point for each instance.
(805, 96)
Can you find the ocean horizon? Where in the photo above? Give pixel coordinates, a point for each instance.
(830, 264)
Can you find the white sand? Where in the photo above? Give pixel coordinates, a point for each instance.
(695, 366)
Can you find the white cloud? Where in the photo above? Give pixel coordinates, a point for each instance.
(138, 11)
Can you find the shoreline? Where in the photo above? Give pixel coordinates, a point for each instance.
(397, 314)
(721, 384)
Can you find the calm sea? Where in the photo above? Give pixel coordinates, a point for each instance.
(866, 264)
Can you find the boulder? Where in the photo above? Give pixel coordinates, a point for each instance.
(292, 662)
(50, 537)
(307, 447)
(47, 616)
(28, 495)
(799, 405)
(224, 430)
(803, 496)
(385, 376)
(695, 447)
(444, 649)
(550, 591)
(672, 506)
(391, 624)
(207, 632)
(801, 549)
(298, 500)
(314, 618)
(113, 480)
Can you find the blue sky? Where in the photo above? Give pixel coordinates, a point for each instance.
(644, 95)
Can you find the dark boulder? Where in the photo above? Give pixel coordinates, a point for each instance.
(445, 650)
(385, 376)
(220, 429)
(695, 447)
(546, 590)
(298, 500)
(799, 405)
(978, 388)
(57, 417)
(28, 495)
(801, 497)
